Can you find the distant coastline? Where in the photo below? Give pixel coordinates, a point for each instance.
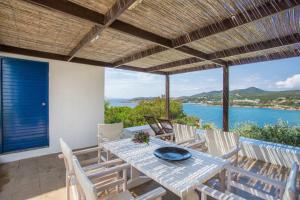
(249, 98)
(242, 106)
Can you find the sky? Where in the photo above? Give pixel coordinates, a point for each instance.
(272, 75)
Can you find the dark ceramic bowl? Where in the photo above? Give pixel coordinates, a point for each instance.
(172, 153)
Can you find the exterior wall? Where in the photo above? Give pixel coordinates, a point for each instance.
(76, 106)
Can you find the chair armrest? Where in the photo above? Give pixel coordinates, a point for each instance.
(186, 141)
(264, 179)
(231, 153)
(102, 172)
(196, 144)
(85, 151)
(103, 164)
(164, 135)
(153, 194)
(80, 152)
(208, 191)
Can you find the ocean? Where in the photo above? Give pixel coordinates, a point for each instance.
(213, 114)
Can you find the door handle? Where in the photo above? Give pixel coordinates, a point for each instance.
(44, 104)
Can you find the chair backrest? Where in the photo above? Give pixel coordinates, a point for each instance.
(110, 131)
(184, 132)
(220, 143)
(85, 184)
(290, 192)
(153, 123)
(68, 156)
(166, 125)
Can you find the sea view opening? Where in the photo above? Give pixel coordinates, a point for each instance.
(260, 101)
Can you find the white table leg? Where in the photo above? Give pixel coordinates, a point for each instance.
(192, 195)
(136, 179)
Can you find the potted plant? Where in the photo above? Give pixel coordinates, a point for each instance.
(141, 137)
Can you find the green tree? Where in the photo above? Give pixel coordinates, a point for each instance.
(155, 107)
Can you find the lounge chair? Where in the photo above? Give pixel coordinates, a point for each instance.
(157, 129)
(166, 125)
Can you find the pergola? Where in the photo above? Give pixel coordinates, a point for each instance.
(161, 37)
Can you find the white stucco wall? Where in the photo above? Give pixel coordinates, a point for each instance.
(76, 105)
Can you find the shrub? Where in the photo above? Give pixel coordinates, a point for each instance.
(156, 107)
(281, 132)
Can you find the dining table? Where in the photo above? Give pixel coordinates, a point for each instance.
(179, 177)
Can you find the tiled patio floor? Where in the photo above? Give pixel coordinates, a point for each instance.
(43, 178)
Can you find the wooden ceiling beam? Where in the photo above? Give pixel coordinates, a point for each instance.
(267, 9)
(259, 46)
(242, 61)
(53, 56)
(186, 61)
(139, 55)
(112, 14)
(199, 54)
(70, 8)
(193, 69)
(268, 57)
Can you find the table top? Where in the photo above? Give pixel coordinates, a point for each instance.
(179, 177)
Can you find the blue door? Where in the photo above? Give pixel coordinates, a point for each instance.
(24, 104)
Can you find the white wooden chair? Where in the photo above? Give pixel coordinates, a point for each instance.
(287, 190)
(223, 144)
(90, 164)
(109, 132)
(109, 190)
(186, 136)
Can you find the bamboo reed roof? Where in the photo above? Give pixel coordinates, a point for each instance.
(164, 37)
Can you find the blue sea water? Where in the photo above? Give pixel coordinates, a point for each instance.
(213, 114)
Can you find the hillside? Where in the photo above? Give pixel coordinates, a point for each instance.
(250, 97)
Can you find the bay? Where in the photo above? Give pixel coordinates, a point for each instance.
(213, 114)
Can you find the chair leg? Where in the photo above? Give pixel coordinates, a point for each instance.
(68, 185)
(222, 177)
(236, 160)
(203, 196)
(99, 155)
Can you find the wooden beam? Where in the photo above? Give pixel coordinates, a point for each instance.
(225, 98)
(174, 64)
(139, 55)
(193, 69)
(139, 69)
(259, 46)
(112, 14)
(168, 114)
(70, 8)
(199, 54)
(140, 33)
(267, 9)
(53, 56)
(268, 57)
